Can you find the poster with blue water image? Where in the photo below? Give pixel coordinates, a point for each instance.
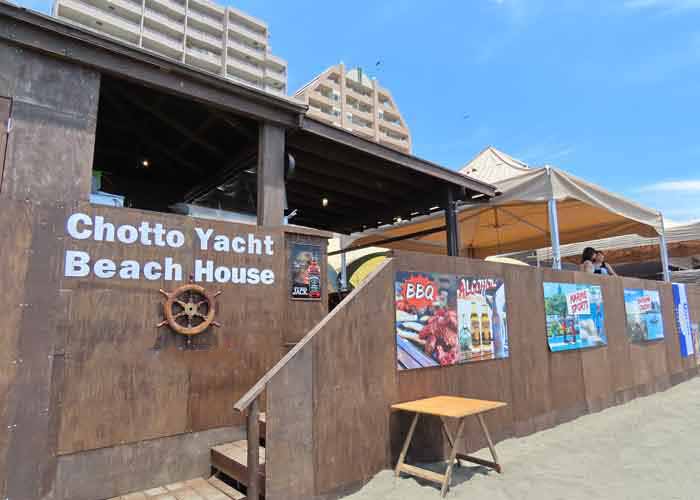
(575, 316)
(644, 319)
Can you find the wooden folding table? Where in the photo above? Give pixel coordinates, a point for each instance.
(447, 407)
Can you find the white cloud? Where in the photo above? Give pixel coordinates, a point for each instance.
(687, 186)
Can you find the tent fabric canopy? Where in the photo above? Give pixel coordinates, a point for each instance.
(518, 219)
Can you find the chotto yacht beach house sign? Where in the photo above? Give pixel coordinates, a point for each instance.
(82, 264)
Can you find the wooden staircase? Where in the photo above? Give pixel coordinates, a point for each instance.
(229, 462)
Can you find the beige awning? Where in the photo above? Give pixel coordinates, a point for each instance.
(517, 220)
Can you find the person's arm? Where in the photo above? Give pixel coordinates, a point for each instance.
(587, 267)
(611, 271)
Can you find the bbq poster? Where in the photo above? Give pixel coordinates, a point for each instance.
(682, 312)
(447, 319)
(643, 311)
(575, 316)
(305, 272)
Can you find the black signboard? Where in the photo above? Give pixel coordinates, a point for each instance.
(305, 271)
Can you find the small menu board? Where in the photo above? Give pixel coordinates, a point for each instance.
(305, 272)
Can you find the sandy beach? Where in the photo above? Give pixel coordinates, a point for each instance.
(645, 449)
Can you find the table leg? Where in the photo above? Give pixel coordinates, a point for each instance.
(488, 439)
(448, 435)
(453, 456)
(406, 444)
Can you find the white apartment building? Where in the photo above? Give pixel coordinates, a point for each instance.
(353, 101)
(200, 33)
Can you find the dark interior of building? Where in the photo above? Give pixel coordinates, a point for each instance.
(158, 150)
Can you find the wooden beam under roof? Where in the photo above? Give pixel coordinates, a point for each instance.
(418, 165)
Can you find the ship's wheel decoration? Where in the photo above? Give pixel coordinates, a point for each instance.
(189, 309)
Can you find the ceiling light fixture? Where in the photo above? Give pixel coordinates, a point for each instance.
(324, 202)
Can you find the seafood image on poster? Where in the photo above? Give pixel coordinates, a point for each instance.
(643, 311)
(446, 319)
(575, 316)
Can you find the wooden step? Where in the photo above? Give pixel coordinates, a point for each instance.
(193, 489)
(232, 460)
(224, 488)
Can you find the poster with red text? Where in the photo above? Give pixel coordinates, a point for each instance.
(446, 319)
(575, 316)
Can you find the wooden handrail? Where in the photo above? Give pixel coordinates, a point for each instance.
(257, 389)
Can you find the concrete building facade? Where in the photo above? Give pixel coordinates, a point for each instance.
(353, 101)
(218, 39)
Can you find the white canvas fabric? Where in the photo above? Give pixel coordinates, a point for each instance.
(517, 219)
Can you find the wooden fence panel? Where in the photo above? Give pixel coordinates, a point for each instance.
(355, 359)
(16, 219)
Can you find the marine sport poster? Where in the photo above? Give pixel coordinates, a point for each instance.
(682, 313)
(447, 319)
(575, 316)
(643, 312)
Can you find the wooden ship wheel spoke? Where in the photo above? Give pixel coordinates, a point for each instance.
(189, 309)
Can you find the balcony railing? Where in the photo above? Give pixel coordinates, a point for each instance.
(393, 126)
(165, 20)
(172, 5)
(132, 7)
(205, 37)
(207, 20)
(171, 42)
(248, 32)
(204, 55)
(238, 46)
(359, 97)
(246, 67)
(101, 15)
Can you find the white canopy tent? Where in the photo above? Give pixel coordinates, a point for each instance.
(538, 207)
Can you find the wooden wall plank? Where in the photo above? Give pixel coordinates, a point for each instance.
(54, 103)
(619, 353)
(31, 471)
(290, 469)
(529, 361)
(355, 360)
(171, 386)
(16, 219)
(5, 107)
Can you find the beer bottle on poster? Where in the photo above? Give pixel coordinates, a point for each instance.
(486, 329)
(465, 339)
(314, 278)
(476, 329)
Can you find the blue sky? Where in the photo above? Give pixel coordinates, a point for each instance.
(606, 89)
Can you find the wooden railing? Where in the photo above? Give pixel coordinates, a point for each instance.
(250, 401)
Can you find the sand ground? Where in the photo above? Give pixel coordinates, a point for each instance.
(648, 448)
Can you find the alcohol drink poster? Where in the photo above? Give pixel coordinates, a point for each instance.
(575, 316)
(682, 313)
(446, 319)
(305, 271)
(643, 311)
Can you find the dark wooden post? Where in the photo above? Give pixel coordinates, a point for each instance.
(271, 188)
(451, 223)
(253, 450)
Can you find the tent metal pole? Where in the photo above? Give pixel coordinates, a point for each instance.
(554, 232)
(664, 252)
